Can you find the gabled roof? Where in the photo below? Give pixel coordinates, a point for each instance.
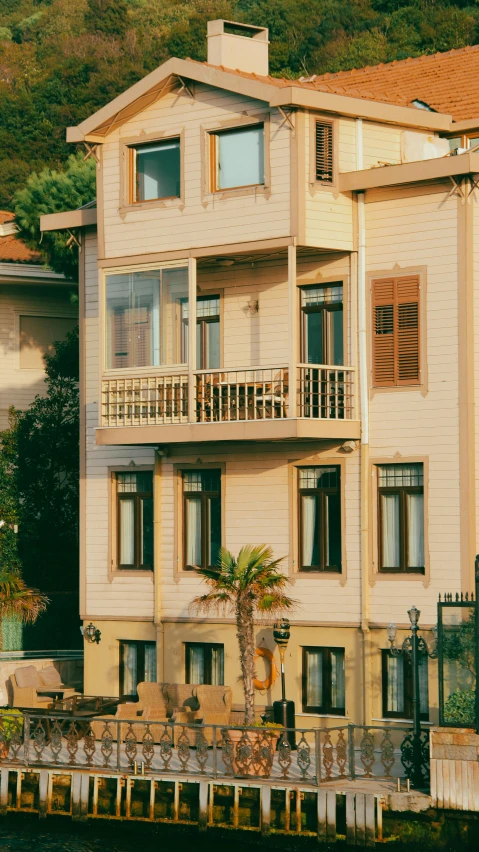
(175, 74)
(446, 82)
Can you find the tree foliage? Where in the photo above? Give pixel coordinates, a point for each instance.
(54, 191)
(61, 60)
(247, 586)
(40, 458)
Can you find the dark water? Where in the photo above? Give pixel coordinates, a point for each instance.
(20, 832)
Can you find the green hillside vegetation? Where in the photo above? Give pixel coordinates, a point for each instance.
(60, 60)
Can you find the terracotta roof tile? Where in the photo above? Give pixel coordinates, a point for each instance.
(6, 216)
(14, 250)
(446, 82)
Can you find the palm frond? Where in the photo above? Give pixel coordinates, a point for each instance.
(18, 600)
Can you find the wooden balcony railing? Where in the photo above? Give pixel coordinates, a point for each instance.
(259, 393)
(145, 401)
(223, 396)
(325, 393)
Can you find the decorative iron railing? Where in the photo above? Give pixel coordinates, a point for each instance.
(144, 401)
(258, 393)
(215, 751)
(325, 393)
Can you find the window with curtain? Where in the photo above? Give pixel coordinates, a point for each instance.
(201, 518)
(156, 170)
(320, 518)
(397, 686)
(323, 681)
(204, 663)
(207, 332)
(238, 157)
(401, 518)
(135, 519)
(143, 317)
(137, 665)
(322, 336)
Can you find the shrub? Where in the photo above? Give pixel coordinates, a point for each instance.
(460, 707)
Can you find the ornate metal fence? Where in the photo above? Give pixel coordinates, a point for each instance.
(215, 751)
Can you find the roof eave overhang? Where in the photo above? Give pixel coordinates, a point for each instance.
(146, 91)
(69, 219)
(361, 108)
(420, 171)
(464, 126)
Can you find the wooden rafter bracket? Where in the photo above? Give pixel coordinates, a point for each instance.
(286, 114)
(185, 87)
(72, 240)
(460, 187)
(91, 151)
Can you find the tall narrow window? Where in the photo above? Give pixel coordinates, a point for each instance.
(201, 518)
(324, 152)
(320, 519)
(323, 681)
(156, 170)
(144, 317)
(137, 665)
(397, 677)
(396, 332)
(322, 324)
(207, 332)
(237, 157)
(135, 519)
(204, 663)
(401, 518)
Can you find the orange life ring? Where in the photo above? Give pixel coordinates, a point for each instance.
(269, 681)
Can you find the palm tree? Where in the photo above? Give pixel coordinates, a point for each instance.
(247, 586)
(17, 600)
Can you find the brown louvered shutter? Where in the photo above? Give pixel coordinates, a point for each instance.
(396, 332)
(324, 151)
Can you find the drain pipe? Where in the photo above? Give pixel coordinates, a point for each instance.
(364, 414)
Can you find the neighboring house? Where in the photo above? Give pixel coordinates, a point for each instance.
(279, 340)
(36, 309)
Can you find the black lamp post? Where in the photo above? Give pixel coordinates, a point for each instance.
(414, 647)
(284, 711)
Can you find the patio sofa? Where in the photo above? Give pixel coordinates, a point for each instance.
(186, 704)
(36, 688)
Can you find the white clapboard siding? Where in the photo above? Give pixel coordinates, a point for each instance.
(18, 387)
(416, 229)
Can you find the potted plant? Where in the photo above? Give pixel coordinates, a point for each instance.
(11, 728)
(249, 585)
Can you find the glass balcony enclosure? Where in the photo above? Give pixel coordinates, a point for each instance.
(144, 313)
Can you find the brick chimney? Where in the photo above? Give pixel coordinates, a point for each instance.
(240, 47)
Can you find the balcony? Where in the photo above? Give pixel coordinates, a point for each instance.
(250, 403)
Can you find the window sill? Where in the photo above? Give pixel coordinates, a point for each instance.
(157, 203)
(236, 192)
(401, 721)
(321, 716)
(306, 572)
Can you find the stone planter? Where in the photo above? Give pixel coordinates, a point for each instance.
(249, 753)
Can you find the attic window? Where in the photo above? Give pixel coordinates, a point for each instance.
(324, 152)
(422, 105)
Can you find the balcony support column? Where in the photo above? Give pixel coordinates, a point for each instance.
(293, 329)
(191, 339)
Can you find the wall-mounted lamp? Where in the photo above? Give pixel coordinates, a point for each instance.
(91, 633)
(251, 308)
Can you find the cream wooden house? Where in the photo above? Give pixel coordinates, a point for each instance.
(278, 346)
